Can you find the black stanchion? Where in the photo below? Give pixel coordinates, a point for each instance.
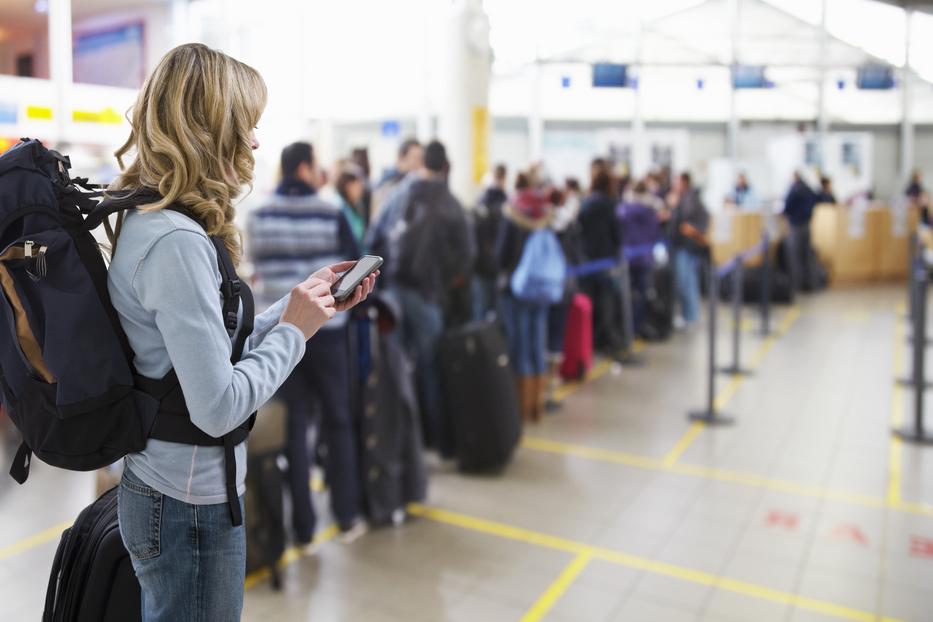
(628, 356)
(765, 329)
(915, 314)
(915, 433)
(735, 369)
(709, 415)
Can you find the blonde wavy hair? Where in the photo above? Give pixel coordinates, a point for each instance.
(190, 135)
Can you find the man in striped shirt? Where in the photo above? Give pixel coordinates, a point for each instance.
(290, 237)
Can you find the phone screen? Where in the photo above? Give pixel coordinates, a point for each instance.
(347, 283)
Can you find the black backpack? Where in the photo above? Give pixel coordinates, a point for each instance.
(66, 366)
(92, 577)
(432, 247)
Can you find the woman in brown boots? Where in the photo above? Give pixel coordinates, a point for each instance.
(525, 320)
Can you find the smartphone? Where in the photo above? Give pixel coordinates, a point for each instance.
(349, 280)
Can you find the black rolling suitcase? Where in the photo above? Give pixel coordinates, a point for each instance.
(92, 576)
(480, 397)
(659, 305)
(265, 489)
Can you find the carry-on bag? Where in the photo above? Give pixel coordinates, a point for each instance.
(92, 577)
(391, 449)
(480, 398)
(578, 339)
(265, 489)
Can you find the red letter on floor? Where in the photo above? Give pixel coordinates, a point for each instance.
(776, 518)
(851, 532)
(921, 547)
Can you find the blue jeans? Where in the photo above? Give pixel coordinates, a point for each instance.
(323, 375)
(687, 275)
(422, 327)
(485, 298)
(526, 331)
(190, 560)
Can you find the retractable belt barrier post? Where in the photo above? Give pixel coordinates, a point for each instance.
(735, 369)
(737, 268)
(709, 415)
(915, 314)
(915, 433)
(765, 329)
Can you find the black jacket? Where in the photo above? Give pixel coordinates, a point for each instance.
(798, 206)
(599, 232)
(487, 222)
(434, 244)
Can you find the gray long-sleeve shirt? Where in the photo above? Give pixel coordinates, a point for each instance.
(165, 285)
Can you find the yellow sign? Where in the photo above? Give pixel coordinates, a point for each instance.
(480, 142)
(39, 112)
(107, 115)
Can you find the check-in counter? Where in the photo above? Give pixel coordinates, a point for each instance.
(862, 244)
(735, 231)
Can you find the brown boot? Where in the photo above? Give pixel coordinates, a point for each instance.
(525, 396)
(539, 396)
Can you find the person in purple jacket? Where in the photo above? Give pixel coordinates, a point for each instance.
(641, 229)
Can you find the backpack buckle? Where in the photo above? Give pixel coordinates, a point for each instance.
(232, 288)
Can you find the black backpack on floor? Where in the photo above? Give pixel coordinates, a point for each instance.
(92, 576)
(66, 366)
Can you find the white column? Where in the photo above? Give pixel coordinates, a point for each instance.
(535, 117)
(180, 20)
(733, 141)
(423, 122)
(60, 63)
(822, 123)
(907, 124)
(464, 114)
(640, 155)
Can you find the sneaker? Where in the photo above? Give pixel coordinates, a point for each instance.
(310, 549)
(354, 533)
(679, 322)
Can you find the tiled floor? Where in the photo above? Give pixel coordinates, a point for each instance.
(617, 510)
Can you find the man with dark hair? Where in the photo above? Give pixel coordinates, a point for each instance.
(487, 224)
(408, 161)
(826, 194)
(689, 225)
(431, 251)
(290, 237)
(798, 209)
(390, 195)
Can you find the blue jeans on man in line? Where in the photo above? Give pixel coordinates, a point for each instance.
(190, 560)
(526, 332)
(422, 328)
(687, 275)
(322, 376)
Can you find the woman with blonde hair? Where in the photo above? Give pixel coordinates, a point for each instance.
(181, 503)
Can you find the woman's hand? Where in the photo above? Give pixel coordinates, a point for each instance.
(363, 290)
(309, 306)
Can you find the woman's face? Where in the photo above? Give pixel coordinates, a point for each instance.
(355, 191)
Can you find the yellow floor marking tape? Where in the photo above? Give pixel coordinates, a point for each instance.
(599, 370)
(674, 454)
(289, 557)
(896, 445)
(52, 533)
(581, 550)
(557, 589)
(728, 392)
(722, 475)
